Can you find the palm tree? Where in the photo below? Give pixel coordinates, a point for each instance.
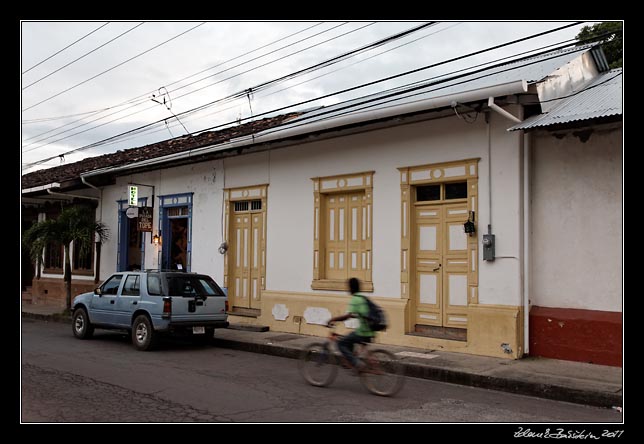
(75, 223)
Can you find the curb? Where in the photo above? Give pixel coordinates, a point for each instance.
(548, 391)
(57, 317)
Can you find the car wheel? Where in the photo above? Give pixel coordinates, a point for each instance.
(143, 335)
(81, 326)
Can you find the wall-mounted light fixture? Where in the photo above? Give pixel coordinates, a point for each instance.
(469, 226)
(156, 239)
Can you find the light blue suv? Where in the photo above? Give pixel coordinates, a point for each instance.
(150, 303)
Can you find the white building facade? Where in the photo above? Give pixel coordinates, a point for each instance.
(402, 199)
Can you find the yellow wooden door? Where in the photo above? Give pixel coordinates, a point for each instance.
(441, 284)
(346, 255)
(246, 256)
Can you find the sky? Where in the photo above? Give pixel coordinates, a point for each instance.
(85, 82)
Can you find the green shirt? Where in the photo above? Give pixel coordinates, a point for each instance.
(358, 306)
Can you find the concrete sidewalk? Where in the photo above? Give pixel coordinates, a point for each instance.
(569, 381)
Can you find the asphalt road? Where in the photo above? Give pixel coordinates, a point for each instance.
(105, 380)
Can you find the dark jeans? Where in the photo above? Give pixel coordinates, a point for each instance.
(347, 343)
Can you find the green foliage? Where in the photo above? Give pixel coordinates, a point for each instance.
(75, 223)
(611, 44)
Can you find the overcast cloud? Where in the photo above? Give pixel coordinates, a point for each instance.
(207, 46)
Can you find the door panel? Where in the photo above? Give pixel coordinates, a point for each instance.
(455, 285)
(346, 236)
(429, 245)
(441, 248)
(246, 259)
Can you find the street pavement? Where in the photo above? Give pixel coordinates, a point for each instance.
(576, 382)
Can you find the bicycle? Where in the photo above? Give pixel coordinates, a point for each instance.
(382, 376)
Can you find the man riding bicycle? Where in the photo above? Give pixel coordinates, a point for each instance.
(358, 308)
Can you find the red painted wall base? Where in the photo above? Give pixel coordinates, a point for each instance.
(576, 335)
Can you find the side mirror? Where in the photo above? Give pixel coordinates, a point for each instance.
(98, 291)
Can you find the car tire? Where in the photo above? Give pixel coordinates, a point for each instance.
(144, 337)
(82, 328)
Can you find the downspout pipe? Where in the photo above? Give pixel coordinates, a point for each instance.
(498, 109)
(527, 151)
(526, 220)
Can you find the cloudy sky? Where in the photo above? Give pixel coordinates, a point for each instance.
(85, 82)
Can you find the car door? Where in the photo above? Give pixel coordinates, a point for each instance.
(103, 305)
(128, 299)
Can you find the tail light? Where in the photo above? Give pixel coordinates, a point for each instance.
(167, 307)
(226, 305)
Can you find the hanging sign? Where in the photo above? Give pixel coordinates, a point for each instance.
(145, 219)
(132, 212)
(133, 195)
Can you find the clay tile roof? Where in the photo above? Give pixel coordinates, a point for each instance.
(74, 170)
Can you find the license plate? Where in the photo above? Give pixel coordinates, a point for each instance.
(198, 330)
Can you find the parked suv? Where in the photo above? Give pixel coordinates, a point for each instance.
(150, 303)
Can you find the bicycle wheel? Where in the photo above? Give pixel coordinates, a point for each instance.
(384, 375)
(318, 365)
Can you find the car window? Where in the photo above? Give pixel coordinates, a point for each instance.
(181, 286)
(131, 286)
(154, 284)
(210, 287)
(111, 286)
(192, 285)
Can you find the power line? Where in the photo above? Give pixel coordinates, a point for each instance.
(138, 101)
(135, 130)
(317, 77)
(145, 95)
(238, 94)
(83, 56)
(68, 46)
(114, 67)
(406, 88)
(275, 81)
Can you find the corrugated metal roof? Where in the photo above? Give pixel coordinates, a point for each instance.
(530, 69)
(601, 98)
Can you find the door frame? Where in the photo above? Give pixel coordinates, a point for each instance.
(232, 195)
(437, 173)
(122, 248)
(170, 201)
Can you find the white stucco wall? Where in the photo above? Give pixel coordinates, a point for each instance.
(577, 212)
(288, 171)
(500, 280)
(205, 180)
(290, 266)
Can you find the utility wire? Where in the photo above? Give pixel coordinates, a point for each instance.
(144, 97)
(322, 75)
(114, 67)
(83, 56)
(241, 93)
(136, 130)
(68, 46)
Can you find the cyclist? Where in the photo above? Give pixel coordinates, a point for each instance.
(358, 308)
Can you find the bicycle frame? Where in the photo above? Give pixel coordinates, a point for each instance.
(382, 374)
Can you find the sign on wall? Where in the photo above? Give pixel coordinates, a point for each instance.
(145, 219)
(133, 195)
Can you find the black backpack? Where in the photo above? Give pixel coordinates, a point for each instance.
(376, 317)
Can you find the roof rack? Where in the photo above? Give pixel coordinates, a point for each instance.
(168, 270)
